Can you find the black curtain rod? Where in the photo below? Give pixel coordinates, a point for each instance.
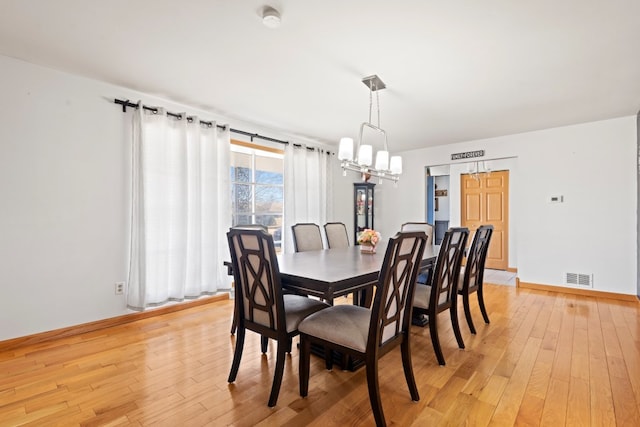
(125, 103)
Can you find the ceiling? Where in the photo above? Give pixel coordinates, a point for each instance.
(454, 70)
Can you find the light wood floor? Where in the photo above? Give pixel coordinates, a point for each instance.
(546, 359)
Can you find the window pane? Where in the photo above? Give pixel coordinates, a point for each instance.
(270, 221)
(268, 199)
(241, 220)
(241, 198)
(240, 167)
(269, 170)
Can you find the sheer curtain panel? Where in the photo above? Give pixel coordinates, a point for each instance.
(308, 189)
(180, 209)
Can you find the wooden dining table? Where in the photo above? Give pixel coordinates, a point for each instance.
(330, 273)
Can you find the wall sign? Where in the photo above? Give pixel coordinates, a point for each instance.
(467, 155)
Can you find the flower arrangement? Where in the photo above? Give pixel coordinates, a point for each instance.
(369, 237)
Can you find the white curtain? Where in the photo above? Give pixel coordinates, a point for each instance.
(181, 209)
(308, 189)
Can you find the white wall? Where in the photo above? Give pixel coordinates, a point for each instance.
(64, 189)
(594, 231)
(64, 192)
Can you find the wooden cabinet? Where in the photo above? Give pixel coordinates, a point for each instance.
(362, 208)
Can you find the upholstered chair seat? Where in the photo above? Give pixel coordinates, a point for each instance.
(345, 325)
(296, 308)
(423, 296)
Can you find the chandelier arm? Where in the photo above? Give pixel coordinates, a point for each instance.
(352, 166)
(376, 128)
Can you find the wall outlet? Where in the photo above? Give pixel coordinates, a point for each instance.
(119, 288)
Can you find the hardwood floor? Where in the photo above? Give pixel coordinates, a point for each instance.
(545, 359)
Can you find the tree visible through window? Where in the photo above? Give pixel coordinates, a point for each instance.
(257, 188)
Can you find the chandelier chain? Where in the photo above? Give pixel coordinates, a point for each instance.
(378, 106)
(370, 102)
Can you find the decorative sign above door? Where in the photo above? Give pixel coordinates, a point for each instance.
(467, 155)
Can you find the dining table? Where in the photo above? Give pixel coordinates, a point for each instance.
(332, 273)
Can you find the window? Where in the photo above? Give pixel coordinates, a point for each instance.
(257, 187)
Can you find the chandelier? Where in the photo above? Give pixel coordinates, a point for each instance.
(475, 170)
(385, 167)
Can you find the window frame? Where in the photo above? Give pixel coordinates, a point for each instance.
(255, 150)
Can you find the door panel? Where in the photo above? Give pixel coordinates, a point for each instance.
(485, 201)
(473, 207)
(495, 207)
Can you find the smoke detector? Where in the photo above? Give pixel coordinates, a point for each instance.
(270, 17)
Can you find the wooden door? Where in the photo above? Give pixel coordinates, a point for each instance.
(485, 200)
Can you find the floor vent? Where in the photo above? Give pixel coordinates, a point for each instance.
(578, 279)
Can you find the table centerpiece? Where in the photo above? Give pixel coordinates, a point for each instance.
(368, 240)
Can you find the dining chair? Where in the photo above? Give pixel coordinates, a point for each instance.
(473, 276)
(440, 293)
(425, 227)
(234, 322)
(368, 334)
(306, 237)
(260, 303)
(336, 233)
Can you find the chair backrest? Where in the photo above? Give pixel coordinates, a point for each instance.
(250, 227)
(425, 227)
(337, 236)
(306, 237)
(444, 282)
(476, 257)
(391, 310)
(257, 278)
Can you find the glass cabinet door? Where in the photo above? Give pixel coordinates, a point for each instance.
(363, 208)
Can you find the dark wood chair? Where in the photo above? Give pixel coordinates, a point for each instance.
(260, 303)
(306, 237)
(472, 278)
(441, 292)
(368, 334)
(425, 227)
(337, 236)
(419, 226)
(234, 322)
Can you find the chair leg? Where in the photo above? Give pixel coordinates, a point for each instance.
(237, 355)
(264, 343)
(277, 376)
(374, 392)
(482, 307)
(234, 321)
(303, 365)
(453, 311)
(234, 324)
(435, 341)
(408, 369)
(328, 358)
(467, 312)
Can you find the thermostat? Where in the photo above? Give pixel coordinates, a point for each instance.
(556, 199)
